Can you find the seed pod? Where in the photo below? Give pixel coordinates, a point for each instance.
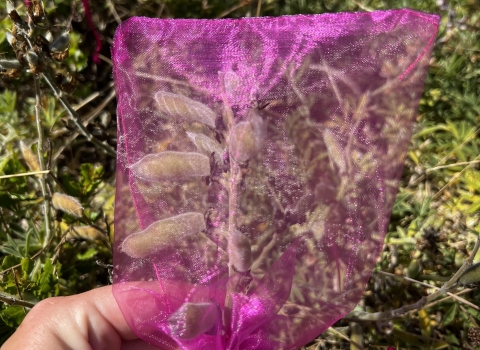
(162, 233)
(11, 39)
(471, 275)
(61, 43)
(49, 36)
(171, 166)
(30, 158)
(85, 232)
(194, 319)
(183, 108)
(240, 251)
(13, 14)
(246, 138)
(32, 58)
(10, 64)
(67, 204)
(206, 145)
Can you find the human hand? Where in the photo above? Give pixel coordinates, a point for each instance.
(90, 320)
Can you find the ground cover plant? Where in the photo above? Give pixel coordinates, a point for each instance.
(66, 102)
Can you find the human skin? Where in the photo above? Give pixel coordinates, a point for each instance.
(87, 321)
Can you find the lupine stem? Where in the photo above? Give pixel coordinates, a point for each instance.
(43, 183)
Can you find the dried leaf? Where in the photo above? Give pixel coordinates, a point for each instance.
(67, 204)
(30, 158)
(194, 319)
(334, 151)
(184, 108)
(171, 166)
(163, 233)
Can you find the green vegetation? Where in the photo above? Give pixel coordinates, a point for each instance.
(435, 221)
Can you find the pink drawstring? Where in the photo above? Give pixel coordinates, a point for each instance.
(88, 16)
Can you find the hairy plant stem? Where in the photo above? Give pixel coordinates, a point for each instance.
(397, 313)
(75, 117)
(41, 162)
(233, 182)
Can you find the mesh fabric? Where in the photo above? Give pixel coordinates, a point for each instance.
(258, 162)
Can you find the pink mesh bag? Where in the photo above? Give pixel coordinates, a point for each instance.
(258, 162)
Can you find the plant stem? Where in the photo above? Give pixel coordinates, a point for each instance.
(75, 117)
(13, 301)
(397, 313)
(41, 162)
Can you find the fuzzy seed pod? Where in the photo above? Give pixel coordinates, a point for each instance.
(171, 166)
(240, 251)
(470, 276)
(61, 43)
(246, 138)
(10, 64)
(162, 233)
(183, 108)
(206, 145)
(67, 204)
(85, 232)
(30, 158)
(194, 319)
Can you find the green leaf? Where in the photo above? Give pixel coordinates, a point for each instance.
(7, 202)
(450, 315)
(46, 281)
(27, 267)
(9, 261)
(12, 315)
(90, 253)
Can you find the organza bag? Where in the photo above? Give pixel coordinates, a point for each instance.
(258, 162)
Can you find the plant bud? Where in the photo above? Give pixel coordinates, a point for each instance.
(206, 145)
(246, 138)
(162, 233)
(183, 108)
(414, 268)
(171, 166)
(30, 158)
(67, 204)
(471, 275)
(194, 319)
(61, 43)
(244, 143)
(240, 251)
(85, 232)
(10, 64)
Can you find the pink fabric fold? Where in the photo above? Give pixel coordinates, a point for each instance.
(258, 163)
